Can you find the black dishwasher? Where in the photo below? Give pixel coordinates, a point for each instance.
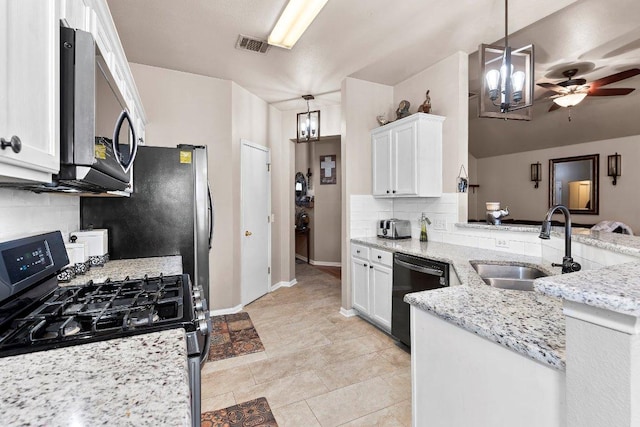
(412, 274)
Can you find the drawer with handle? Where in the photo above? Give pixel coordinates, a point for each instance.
(359, 251)
(382, 257)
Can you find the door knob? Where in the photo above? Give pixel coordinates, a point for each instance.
(248, 233)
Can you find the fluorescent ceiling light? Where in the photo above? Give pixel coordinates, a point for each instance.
(570, 100)
(294, 21)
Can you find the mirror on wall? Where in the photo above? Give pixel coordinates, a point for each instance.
(574, 183)
(301, 188)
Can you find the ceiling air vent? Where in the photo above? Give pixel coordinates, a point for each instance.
(251, 43)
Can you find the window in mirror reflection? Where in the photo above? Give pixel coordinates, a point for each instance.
(574, 183)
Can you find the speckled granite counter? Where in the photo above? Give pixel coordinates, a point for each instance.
(139, 380)
(614, 242)
(527, 322)
(134, 268)
(615, 288)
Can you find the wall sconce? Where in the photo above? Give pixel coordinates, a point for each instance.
(507, 79)
(308, 124)
(536, 173)
(614, 168)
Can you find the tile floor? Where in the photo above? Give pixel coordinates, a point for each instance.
(319, 368)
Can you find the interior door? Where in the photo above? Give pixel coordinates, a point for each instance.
(256, 226)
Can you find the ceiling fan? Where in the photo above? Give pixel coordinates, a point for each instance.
(572, 91)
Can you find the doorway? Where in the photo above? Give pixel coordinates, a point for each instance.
(256, 221)
(319, 242)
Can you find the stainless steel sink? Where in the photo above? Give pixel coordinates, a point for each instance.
(516, 277)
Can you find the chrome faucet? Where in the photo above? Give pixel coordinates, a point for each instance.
(568, 264)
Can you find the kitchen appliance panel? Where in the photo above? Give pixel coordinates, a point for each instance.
(412, 274)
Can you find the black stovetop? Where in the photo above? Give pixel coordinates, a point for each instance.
(98, 311)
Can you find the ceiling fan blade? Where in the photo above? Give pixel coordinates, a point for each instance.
(610, 92)
(552, 86)
(615, 77)
(547, 95)
(554, 107)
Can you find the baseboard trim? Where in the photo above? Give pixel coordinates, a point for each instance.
(283, 285)
(348, 313)
(222, 311)
(326, 263)
(320, 263)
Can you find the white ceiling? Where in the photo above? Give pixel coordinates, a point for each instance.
(377, 40)
(603, 37)
(387, 42)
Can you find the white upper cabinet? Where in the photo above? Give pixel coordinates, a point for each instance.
(407, 157)
(29, 90)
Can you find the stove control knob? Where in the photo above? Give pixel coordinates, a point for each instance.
(196, 294)
(201, 316)
(203, 327)
(197, 304)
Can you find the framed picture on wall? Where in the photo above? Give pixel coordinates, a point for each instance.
(328, 169)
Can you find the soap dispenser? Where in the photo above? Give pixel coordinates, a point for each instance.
(423, 227)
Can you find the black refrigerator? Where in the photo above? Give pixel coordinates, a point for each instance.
(170, 211)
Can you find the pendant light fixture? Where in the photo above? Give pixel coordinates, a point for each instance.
(308, 123)
(507, 82)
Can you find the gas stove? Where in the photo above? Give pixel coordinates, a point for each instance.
(36, 314)
(98, 311)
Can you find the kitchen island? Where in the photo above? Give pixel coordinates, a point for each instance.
(137, 380)
(459, 375)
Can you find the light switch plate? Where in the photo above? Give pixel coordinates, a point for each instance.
(439, 224)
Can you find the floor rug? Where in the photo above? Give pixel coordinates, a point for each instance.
(254, 413)
(233, 335)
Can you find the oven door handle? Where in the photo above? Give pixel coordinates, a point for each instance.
(419, 269)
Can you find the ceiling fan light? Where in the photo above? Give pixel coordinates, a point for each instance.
(570, 100)
(294, 21)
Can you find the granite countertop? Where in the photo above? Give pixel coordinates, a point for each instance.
(527, 322)
(615, 288)
(614, 242)
(138, 380)
(134, 268)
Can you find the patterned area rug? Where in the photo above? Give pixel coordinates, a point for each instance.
(233, 335)
(254, 413)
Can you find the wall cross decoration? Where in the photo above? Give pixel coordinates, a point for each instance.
(328, 169)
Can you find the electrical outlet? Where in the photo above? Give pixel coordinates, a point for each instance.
(439, 224)
(502, 243)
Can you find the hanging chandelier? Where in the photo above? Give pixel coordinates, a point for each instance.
(507, 83)
(308, 123)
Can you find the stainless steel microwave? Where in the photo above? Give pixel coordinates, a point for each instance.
(98, 144)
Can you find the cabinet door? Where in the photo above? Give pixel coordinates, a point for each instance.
(360, 284)
(381, 163)
(29, 88)
(380, 287)
(404, 159)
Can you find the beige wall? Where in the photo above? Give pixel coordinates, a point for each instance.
(507, 179)
(361, 102)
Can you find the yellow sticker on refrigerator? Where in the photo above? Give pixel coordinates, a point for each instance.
(100, 151)
(185, 157)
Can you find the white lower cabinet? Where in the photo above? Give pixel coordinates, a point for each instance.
(371, 280)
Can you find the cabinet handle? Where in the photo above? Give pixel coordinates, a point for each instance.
(365, 265)
(357, 251)
(379, 256)
(387, 191)
(14, 143)
(394, 191)
(371, 266)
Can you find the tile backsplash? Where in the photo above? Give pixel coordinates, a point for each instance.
(366, 210)
(25, 213)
